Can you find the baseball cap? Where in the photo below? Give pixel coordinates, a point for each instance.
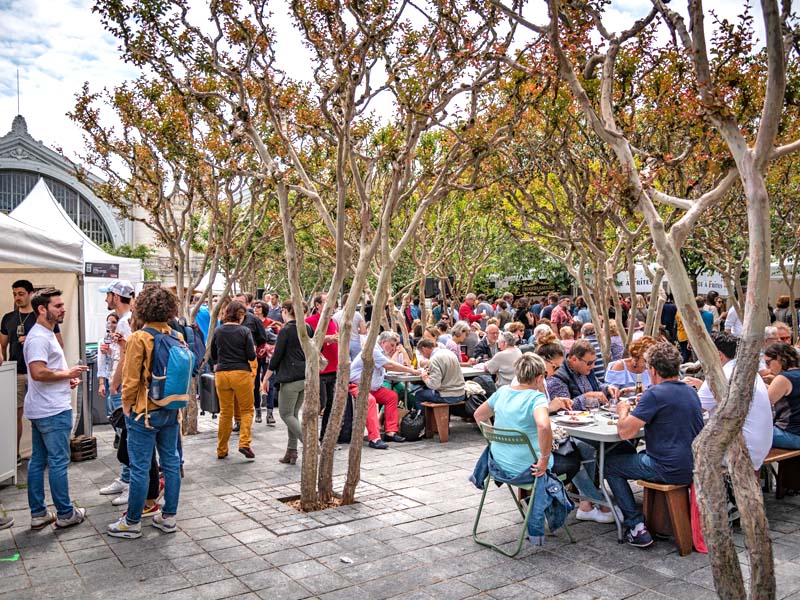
(120, 287)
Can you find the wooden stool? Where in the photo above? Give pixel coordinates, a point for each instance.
(788, 477)
(666, 512)
(437, 419)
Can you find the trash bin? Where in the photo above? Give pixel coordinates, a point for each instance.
(97, 403)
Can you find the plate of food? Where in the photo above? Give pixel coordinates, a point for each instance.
(578, 418)
(573, 413)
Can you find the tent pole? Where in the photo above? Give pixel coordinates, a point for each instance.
(86, 409)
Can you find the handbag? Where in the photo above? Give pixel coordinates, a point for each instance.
(562, 444)
(412, 425)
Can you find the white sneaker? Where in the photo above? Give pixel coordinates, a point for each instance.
(114, 489)
(77, 517)
(43, 521)
(165, 524)
(125, 530)
(595, 515)
(121, 499)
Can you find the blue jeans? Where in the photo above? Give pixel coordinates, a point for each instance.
(424, 394)
(163, 434)
(784, 439)
(115, 401)
(50, 437)
(584, 479)
(622, 467)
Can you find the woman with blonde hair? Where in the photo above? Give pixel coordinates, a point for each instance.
(617, 347)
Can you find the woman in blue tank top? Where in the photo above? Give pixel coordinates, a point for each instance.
(784, 394)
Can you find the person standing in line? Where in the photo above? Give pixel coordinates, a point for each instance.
(14, 329)
(119, 294)
(288, 362)
(330, 350)
(48, 406)
(149, 425)
(232, 350)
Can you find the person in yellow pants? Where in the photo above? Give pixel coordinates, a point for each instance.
(232, 350)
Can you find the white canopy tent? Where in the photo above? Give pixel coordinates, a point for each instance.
(46, 261)
(40, 209)
(217, 287)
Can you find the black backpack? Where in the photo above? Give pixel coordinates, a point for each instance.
(473, 402)
(487, 383)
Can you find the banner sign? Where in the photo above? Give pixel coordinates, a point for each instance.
(107, 270)
(708, 282)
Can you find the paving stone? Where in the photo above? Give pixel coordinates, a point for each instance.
(271, 578)
(325, 582)
(207, 574)
(220, 589)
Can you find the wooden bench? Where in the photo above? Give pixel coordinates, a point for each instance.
(666, 512)
(788, 475)
(437, 419)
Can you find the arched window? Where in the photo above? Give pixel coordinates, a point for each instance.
(16, 185)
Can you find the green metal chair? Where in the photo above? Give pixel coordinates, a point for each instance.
(515, 437)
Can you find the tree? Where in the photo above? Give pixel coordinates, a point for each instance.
(749, 158)
(319, 147)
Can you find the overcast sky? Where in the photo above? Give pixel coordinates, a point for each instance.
(57, 45)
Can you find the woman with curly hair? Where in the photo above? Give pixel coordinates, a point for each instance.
(784, 394)
(149, 425)
(626, 372)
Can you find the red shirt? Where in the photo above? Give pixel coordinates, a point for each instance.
(329, 351)
(465, 313)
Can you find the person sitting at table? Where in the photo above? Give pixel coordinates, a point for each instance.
(458, 337)
(387, 344)
(524, 406)
(444, 381)
(575, 379)
(757, 428)
(487, 347)
(517, 329)
(671, 416)
(626, 372)
(567, 337)
(551, 351)
(502, 364)
(784, 394)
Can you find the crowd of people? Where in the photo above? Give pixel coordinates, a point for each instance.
(544, 356)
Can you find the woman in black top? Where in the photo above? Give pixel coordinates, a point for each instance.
(288, 362)
(232, 349)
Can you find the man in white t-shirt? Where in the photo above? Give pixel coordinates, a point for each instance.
(119, 294)
(48, 406)
(733, 324)
(757, 428)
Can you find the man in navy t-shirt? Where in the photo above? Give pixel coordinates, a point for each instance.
(671, 415)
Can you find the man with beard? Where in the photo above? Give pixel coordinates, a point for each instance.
(14, 329)
(48, 406)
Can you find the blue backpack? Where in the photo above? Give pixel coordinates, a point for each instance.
(171, 369)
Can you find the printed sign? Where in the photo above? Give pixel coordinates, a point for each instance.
(107, 270)
(707, 282)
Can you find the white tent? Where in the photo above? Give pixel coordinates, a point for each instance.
(40, 209)
(46, 261)
(217, 287)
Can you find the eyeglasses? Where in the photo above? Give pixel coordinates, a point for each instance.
(785, 338)
(589, 363)
(768, 360)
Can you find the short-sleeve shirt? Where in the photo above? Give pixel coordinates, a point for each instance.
(8, 327)
(45, 399)
(514, 409)
(673, 418)
(329, 351)
(357, 367)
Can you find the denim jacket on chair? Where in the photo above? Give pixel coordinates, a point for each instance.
(550, 500)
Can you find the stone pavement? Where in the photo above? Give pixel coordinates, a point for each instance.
(409, 537)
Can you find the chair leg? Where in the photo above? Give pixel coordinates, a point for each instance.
(442, 418)
(523, 531)
(678, 503)
(430, 422)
